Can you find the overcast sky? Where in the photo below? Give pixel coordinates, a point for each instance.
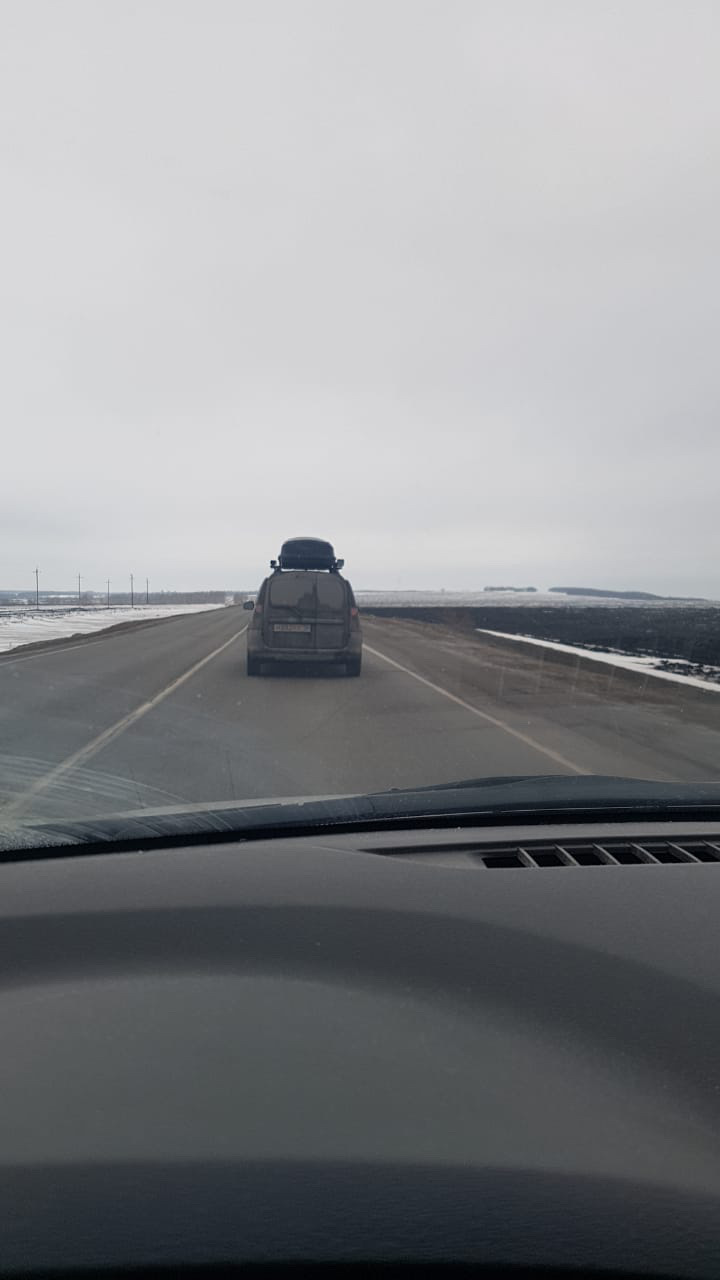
(437, 281)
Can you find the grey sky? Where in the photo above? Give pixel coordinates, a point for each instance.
(437, 281)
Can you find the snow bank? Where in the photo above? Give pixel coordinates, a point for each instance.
(26, 626)
(629, 662)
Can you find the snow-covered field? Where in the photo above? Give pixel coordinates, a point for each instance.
(27, 626)
(520, 599)
(647, 666)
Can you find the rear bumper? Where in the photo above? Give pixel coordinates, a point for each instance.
(292, 655)
(262, 653)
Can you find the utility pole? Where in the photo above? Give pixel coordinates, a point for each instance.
(147, 590)
(132, 591)
(37, 589)
(78, 588)
(108, 593)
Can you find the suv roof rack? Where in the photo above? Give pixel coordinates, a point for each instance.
(307, 553)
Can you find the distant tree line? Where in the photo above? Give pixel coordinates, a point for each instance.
(619, 595)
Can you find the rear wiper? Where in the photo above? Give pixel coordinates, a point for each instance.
(297, 609)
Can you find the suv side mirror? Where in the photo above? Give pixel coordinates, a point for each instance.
(248, 604)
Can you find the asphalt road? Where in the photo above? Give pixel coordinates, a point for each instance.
(163, 714)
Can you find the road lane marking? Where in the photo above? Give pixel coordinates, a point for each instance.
(483, 715)
(108, 735)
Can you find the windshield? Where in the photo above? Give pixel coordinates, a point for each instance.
(435, 285)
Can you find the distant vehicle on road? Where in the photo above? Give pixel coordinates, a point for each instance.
(305, 611)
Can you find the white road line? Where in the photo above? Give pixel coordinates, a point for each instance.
(483, 715)
(85, 753)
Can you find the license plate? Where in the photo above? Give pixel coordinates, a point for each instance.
(292, 626)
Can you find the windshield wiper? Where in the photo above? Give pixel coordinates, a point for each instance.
(477, 801)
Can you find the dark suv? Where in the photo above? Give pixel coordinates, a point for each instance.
(305, 611)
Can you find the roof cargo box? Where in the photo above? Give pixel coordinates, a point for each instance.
(307, 553)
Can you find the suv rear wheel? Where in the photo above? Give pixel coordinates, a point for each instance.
(253, 666)
(353, 666)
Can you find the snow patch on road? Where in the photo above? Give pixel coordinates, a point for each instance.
(26, 626)
(629, 662)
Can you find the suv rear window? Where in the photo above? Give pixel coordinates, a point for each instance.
(292, 591)
(330, 593)
(317, 592)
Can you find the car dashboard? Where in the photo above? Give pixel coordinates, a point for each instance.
(489, 1047)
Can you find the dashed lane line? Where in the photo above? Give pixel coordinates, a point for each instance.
(91, 749)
